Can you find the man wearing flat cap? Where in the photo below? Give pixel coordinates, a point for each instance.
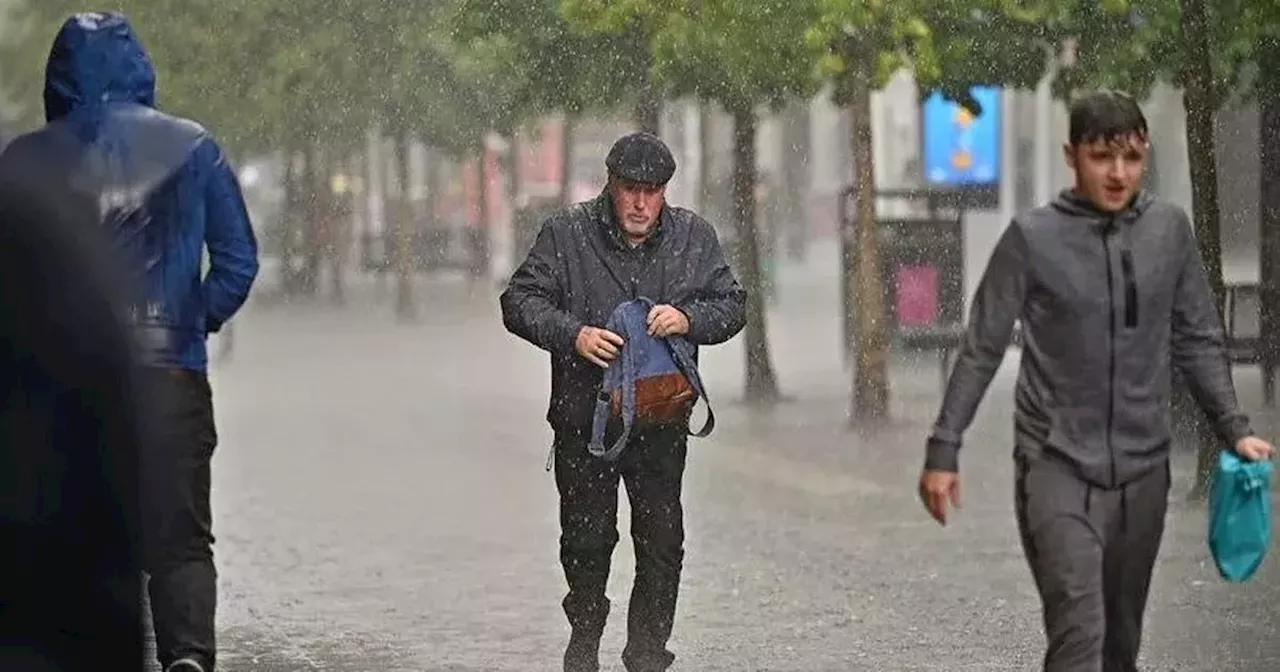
(587, 260)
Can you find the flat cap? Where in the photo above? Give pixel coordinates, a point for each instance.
(641, 157)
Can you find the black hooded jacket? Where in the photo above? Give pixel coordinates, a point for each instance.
(581, 267)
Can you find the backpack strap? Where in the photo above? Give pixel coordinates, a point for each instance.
(623, 374)
(681, 353)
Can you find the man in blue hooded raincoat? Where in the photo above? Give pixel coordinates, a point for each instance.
(166, 194)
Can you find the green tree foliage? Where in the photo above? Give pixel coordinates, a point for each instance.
(1132, 44)
(872, 39)
(254, 73)
(553, 67)
(735, 52)
(264, 75)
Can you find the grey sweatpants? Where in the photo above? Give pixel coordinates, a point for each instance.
(1091, 552)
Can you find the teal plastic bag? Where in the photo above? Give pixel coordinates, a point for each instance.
(1239, 515)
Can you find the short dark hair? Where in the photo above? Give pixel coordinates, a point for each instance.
(1106, 116)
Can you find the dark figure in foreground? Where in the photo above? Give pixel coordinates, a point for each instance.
(71, 429)
(586, 261)
(1109, 287)
(166, 195)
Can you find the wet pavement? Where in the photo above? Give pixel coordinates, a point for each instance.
(380, 504)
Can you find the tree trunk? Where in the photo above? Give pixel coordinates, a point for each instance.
(795, 179)
(480, 236)
(437, 235)
(870, 374)
(1198, 99)
(761, 384)
(511, 170)
(1268, 92)
(566, 159)
(289, 221)
(432, 202)
(305, 238)
(343, 214)
(704, 156)
(378, 226)
(318, 214)
(648, 111)
(402, 251)
(848, 257)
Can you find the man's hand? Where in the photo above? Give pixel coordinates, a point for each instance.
(936, 488)
(598, 346)
(666, 321)
(1254, 449)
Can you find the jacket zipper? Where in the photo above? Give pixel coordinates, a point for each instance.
(1111, 349)
(1130, 289)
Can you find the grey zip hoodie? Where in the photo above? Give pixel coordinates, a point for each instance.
(1107, 302)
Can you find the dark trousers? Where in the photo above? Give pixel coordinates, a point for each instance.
(177, 518)
(652, 468)
(66, 607)
(1091, 551)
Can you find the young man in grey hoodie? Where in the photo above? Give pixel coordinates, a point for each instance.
(1109, 287)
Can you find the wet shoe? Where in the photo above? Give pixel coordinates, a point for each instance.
(185, 665)
(653, 660)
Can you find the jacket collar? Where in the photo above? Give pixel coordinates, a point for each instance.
(602, 206)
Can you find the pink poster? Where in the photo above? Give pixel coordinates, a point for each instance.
(917, 291)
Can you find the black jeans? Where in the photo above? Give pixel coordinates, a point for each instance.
(652, 467)
(1091, 552)
(177, 518)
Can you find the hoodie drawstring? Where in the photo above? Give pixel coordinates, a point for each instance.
(1124, 504)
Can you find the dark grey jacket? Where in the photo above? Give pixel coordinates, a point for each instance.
(581, 267)
(1106, 303)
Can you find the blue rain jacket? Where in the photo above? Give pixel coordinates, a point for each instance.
(166, 190)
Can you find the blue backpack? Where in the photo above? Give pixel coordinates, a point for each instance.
(654, 381)
(1239, 515)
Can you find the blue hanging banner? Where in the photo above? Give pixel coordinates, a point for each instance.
(959, 149)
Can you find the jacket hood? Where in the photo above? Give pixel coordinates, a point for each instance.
(97, 58)
(1071, 203)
